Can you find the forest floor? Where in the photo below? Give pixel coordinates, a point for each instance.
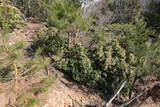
(65, 93)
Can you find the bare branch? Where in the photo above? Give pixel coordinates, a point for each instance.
(110, 101)
(139, 95)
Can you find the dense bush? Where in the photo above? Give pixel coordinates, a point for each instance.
(53, 43)
(79, 66)
(107, 64)
(9, 16)
(104, 67)
(152, 64)
(115, 65)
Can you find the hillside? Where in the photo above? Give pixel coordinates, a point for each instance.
(59, 54)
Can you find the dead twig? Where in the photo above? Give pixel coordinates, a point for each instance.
(139, 95)
(110, 101)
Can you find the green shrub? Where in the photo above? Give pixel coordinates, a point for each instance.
(9, 56)
(115, 65)
(135, 38)
(152, 60)
(79, 66)
(5, 73)
(53, 43)
(9, 16)
(104, 67)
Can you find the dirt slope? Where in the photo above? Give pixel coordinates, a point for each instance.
(68, 94)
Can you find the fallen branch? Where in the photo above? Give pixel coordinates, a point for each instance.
(139, 95)
(110, 101)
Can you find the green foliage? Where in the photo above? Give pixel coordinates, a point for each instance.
(13, 61)
(37, 8)
(114, 65)
(10, 55)
(44, 84)
(5, 73)
(9, 16)
(152, 60)
(64, 14)
(79, 66)
(53, 43)
(25, 100)
(134, 36)
(104, 68)
(35, 63)
(121, 50)
(108, 63)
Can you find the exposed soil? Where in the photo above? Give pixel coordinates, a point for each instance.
(65, 93)
(152, 97)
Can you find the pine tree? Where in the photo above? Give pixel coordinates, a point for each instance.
(13, 62)
(67, 17)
